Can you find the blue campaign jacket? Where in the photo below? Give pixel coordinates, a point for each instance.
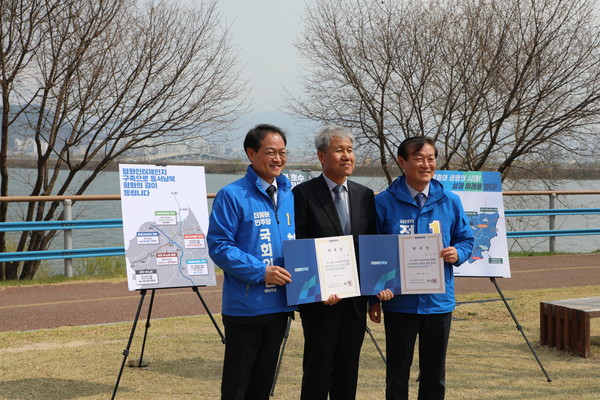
(244, 236)
(398, 213)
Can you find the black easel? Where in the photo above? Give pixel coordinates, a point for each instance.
(519, 327)
(376, 345)
(135, 320)
(285, 338)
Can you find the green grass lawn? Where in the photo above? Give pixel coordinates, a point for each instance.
(488, 358)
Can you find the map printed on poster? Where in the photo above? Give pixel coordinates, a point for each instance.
(481, 196)
(165, 220)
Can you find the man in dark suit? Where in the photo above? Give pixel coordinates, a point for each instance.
(331, 205)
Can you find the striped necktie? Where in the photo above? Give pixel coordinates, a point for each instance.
(271, 192)
(421, 199)
(341, 209)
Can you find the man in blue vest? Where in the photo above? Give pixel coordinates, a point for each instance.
(250, 219)
(416, 203)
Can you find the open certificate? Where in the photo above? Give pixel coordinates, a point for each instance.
(338, 273)
(421, 267)
(320, 267)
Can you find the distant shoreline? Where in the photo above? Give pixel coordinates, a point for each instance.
(211, 167)
(239, 167)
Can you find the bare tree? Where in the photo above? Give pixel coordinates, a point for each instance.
(499, 84)
(91, 80)
(350, 46)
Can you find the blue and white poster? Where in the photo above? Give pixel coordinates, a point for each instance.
(481, 195)
(165, 220)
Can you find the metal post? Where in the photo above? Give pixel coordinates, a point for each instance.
(68, 216)
(551, 223)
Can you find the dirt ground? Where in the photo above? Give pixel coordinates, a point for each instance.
(88, 303)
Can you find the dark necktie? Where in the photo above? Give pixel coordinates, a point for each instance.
(341, 209)
(421, 199)
(271, 192)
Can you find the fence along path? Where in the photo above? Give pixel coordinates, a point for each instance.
(68, 225)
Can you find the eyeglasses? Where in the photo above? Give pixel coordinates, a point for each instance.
(273, 154)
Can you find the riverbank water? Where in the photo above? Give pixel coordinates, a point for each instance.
(108, 183)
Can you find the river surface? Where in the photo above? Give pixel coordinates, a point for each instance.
(108, 183)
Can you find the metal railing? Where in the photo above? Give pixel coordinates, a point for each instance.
(68, 225)
(552, 212)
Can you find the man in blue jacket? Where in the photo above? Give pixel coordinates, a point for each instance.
(250, 219)
(416, 203)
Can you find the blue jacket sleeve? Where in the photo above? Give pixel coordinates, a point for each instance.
(224, 249)
(379, 213)
(462, 235)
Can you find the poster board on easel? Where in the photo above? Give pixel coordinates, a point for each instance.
(165, 220)
(481, 195)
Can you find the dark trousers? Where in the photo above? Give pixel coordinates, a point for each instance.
(333, 336)
(401, 332)
(251, 352)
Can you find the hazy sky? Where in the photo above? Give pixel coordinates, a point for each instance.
(264, 31)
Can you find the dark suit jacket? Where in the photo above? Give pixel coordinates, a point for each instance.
(316, 216)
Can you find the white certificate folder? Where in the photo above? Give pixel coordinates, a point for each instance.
(405, 264)
(319, 268)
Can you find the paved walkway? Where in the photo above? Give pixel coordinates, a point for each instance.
(88, 303)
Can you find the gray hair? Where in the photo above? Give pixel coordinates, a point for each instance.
(326, 133)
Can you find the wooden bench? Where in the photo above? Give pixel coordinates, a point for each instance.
(565, 324)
